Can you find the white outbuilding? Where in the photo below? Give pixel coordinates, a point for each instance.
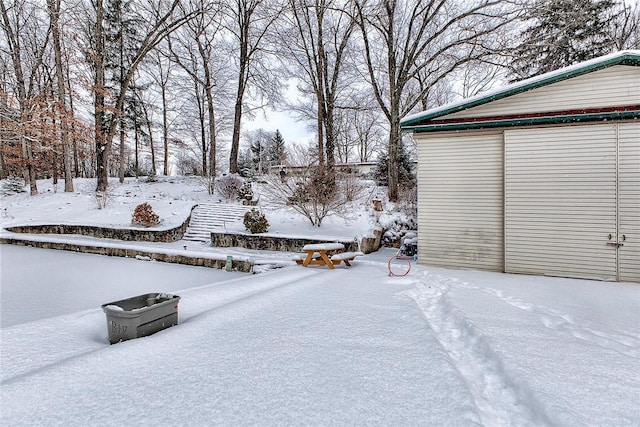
(539, 177)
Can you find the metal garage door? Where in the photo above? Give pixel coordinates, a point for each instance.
(460, 203)
(561, 201)
(629, 201)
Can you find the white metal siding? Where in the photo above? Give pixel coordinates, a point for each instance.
(560, 201)
(629, 201)
(460, 205)
(613, 86)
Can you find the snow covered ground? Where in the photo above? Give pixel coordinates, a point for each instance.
(299, 346)
(170, 197)
(309, 346)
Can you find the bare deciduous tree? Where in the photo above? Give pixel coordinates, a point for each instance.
(63, 115)
(405, 42)
(198, 61)
(249, 21)
(314, 194)
(26, 44)
(318, 42)
(626, 27)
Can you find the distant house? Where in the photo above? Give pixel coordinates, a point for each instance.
(539, 177)
(359, 168)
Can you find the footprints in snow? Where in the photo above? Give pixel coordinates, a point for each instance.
(557, 321)
(500, 400)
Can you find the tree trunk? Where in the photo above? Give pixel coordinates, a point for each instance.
(147, 120)
(235, 140)
(392, 167)
(123, 88)
(330, 136)
(72, 130)
(237, 111)
(212, 139)
(165, 130)
(102, 151)
(54, 156)
(203, 131)
(122, 167)
(54, 14)
(136, 142)
(320, 124)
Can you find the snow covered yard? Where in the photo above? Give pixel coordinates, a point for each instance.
(300, 346)
(170, 197)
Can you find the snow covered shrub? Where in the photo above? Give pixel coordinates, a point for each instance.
(151, 176)
(351, 186)
(145, 216)
(395, 225)
(245, 192)
(13, 185)
(229, 186)
(256, 222)
(408, 202)
(315, 195)
(102, 198)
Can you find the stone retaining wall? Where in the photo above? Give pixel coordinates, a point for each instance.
(242, 266)
(269, 242)
(126, 234)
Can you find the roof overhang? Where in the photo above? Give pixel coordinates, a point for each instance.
(558, 117)
(427, 121)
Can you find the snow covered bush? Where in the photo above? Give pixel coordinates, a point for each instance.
(256, 222)
(315, 194)
(351, 186)
(229, 186)
(245, 192)
(145, 216)
(151, 176)
(408, 202)
(102, 199)
(13, 185)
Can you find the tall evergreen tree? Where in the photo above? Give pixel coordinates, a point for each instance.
(563, 32)
(406, 175)
(121, 42)
(277, 149)
(257, 149)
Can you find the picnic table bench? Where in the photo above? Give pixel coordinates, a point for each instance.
(329, 254)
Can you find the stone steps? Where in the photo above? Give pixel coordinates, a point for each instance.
(208, 217)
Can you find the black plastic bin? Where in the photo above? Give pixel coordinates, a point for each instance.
(140, 316)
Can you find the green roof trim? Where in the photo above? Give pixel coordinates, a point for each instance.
(631, 58)
(546, 120)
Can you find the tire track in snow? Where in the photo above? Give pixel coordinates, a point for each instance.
(500, 399)
(622, 343)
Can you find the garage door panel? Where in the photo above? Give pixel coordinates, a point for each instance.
(629, 201)
(560, 201)
(460, 204)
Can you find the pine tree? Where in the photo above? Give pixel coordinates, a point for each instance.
(257, 156)
(245, 164)
(406, 177)
(564, 32)
(121, 45)
(277, 150)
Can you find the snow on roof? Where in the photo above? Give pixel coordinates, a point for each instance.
(626, 56)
